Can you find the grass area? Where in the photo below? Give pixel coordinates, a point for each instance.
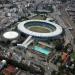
(39, 17)
(39, 29)
(73, 55)
(23, 19)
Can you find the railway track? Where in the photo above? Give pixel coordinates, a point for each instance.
(70, 25)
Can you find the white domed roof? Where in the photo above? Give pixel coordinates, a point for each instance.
(10, 35)
(3, 61)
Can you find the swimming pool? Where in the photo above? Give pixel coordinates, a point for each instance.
(42, 50)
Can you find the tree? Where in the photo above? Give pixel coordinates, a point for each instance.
(1, 73)
(58, 45)
(51, 8)
(53, 72)
(63, 1)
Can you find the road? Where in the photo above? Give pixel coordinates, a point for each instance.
(62, 21)
(50, 67)
(69, 24)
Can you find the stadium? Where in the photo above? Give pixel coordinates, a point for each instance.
(41, 29)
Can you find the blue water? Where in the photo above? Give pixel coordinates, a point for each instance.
(42, 50)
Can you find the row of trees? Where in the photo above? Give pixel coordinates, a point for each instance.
(63, 1)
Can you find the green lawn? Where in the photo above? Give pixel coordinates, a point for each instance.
(39, 17)
(39, 29)
(73, 55)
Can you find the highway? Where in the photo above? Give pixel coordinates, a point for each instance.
(64, 23)
(69, 24)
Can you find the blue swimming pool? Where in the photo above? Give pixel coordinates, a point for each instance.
(42, 50)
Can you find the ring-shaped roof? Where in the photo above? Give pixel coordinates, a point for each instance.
(56, 32)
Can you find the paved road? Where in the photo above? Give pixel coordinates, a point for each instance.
(57, 15)
(50, 67)
(69, 24)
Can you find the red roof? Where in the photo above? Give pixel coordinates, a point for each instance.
(65, 56)
(11, 69)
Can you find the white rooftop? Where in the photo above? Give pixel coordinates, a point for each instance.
(10, 35)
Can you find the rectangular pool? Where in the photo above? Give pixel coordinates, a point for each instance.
(42, 50)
